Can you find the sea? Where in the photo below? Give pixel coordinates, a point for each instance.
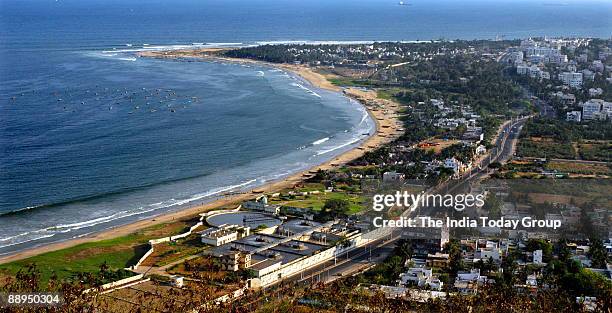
(92, 136)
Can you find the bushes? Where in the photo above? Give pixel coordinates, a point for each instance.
(545, 149)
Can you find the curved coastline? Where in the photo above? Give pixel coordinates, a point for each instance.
(375, 139)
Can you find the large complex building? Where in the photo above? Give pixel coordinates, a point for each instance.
(572, 79)
(283, 250)
(596, 109)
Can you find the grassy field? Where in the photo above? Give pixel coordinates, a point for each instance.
(168, 252)
(545, 148)
(118, 253)
(316, 202)
(579, 168)
(596, 151)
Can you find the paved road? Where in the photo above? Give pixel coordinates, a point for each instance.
(502, 151)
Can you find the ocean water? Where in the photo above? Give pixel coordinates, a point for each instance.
(92, 136)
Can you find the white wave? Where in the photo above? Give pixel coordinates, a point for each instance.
(127, 59)
(320, 141)
(20, 210)
(215, 44)
(82, 235)
(212, 193)
(64, 228)
(31, 239)
(306, 89)
(364, 117)
(338, 147)
(260, 73)
(22, 235)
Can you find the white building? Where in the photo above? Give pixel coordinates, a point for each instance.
(522, 69)
(481, 149)
(455, 165)
(537, 257)
(177, 281)
(534, 71)
(393, 176)
(224, 234)
(516, 57)
(468, 282)
(261, 204)
(594, 92)
(531, 281)
(574, 116)
(596, 109)
(588, 304)
(422, 277)
(545, 54)
(571, 79)
(598, 66)
(490, 251)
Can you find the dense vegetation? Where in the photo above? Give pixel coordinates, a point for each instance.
(554, 138)
(358, 53)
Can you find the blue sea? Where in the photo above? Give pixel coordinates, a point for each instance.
(91, 136)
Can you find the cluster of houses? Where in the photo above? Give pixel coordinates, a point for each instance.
(450, 118)
(421, 279)
(367, 55)
(570, 215)
(537, 58)
(594, 109)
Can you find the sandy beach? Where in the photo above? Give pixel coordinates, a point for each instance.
(383, 112)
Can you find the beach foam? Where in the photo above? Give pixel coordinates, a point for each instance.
(320, 141)
(306, 89)
(49, 232)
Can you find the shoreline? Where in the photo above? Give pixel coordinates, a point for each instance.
(386, 125)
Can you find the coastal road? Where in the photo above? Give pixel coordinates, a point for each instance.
(502, 151)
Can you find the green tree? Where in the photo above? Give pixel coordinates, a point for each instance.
(404, 249)
(336, 207)
(597, 253)
(455, 257)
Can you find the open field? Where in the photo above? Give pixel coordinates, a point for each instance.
(545, 148)
(437, 145)
(117, 253)
(579, 168)
(595, 150)
(168, 252)
(316, 202)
